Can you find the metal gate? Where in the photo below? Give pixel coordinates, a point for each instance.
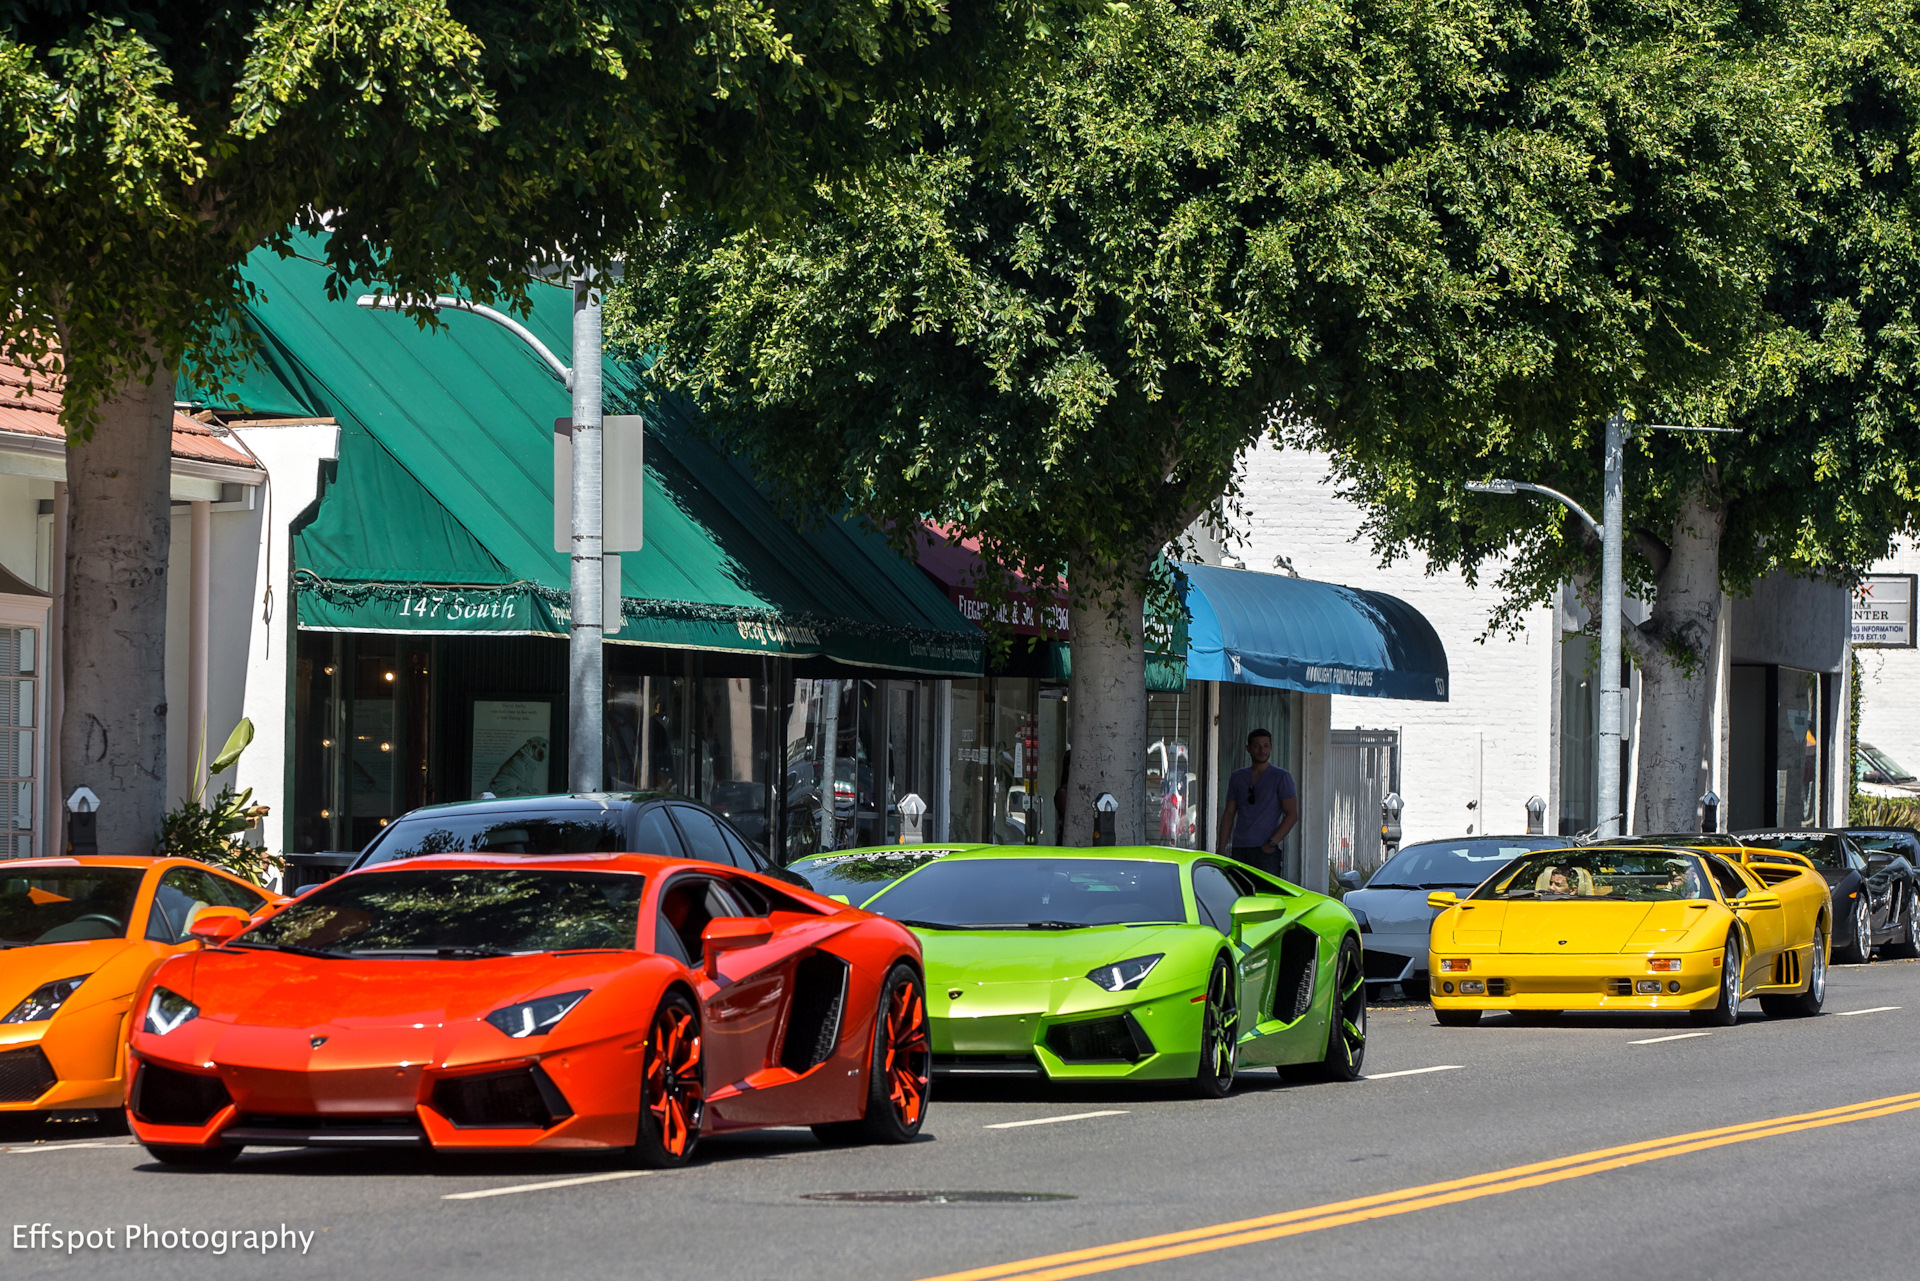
(1365, 764)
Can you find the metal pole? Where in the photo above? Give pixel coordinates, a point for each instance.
(1612, 522)
(586, 681)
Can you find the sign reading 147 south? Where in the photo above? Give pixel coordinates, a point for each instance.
(1883, 611)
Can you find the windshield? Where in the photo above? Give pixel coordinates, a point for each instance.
(1035, 893)
(858, 877)
(472, 910)
(1874, 761)
(593, 832)
(1446, 865)
(1883, 842)
(1601, 875)
(66, 904)
(1822, 847)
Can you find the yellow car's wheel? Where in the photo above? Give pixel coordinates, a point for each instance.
(1726, 1011)
(1801, 1005)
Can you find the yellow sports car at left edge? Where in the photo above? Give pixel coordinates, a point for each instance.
(1605, 927)
(80, 937)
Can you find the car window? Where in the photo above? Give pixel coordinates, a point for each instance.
(1732, 884)
(1448, 865)
(181, 894)
(744, 855)
(655, 835)
(702, 835)
(42, 904)
(1214, 894)
(687, 906)
(494, 832)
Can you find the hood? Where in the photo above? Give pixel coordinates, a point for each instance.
(1393, 911)
(982, 957)
(22, 969)
(275, 989)
(1568, 928)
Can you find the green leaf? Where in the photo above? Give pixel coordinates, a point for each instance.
(236, 744)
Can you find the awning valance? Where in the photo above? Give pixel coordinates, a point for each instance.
(438, 516)
(1290, 633)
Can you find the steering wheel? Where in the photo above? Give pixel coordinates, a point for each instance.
(117, 927)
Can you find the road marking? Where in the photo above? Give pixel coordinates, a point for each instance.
(541, 1187)
(1387, 1076)
(1221, 1236)
(1677, 1036)
(1050, 1120)
(65, 1147)
(1877, 1009)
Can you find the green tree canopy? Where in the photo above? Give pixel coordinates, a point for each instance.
(432, 143)
(1225, 218)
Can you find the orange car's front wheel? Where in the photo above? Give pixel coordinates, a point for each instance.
(901, 1070)
(672, 1092)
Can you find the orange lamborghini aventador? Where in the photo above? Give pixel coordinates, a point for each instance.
(474, 1001)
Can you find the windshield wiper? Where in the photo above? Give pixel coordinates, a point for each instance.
(439, 953)
(1058, 925)
(1445, 885)
(912, 924)
(295, 948)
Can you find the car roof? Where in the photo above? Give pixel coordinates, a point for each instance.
(96, 860)
(1156, 853)
(931, 849)
(546, 803)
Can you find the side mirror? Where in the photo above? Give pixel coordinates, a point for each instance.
(1759, 899)
(730, 934)
(1349, 880)
(215, 925)
(1256, 909)
(841, 898)
(1442, 899)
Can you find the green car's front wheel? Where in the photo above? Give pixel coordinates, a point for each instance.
(1219, 1033)
(1346, 1016)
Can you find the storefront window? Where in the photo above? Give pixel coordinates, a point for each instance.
(1174, 796)
(1797, 750)
(1015, 761)
(970, 800)
(1579, 736)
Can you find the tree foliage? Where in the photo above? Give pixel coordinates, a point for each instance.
(155, 143)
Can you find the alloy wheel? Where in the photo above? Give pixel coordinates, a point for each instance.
(1862, 930)
(908, 1061)
(675, 1097)
(1817, 978)
(1219, 1033)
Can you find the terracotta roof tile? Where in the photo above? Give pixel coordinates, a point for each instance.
(37, 413)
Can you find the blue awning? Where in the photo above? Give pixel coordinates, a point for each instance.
(1289, 633)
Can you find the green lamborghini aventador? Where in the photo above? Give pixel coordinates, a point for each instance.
(1130, 964)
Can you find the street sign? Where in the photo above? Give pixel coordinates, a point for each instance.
(623, 478)
(1883, 611)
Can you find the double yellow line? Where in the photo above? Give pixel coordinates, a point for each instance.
(1271, 1227)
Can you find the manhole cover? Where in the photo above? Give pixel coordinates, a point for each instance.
(934, 1198)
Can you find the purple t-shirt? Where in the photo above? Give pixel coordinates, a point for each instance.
(1256, 802)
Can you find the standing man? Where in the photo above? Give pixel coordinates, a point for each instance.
(1262, 807)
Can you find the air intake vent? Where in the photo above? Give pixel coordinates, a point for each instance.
(1385, 966)
(25, 1075)
(819, 999)
(1120, 1040)
(1619, 987)
(1293, 982)
(1496, 987)
(162, 1096)
(524, 1099)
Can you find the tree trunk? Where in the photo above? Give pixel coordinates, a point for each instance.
(1108, 705)
(1675, 650)
(113, 737)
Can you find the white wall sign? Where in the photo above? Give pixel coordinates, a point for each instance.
(1883, 615)
(511, 741)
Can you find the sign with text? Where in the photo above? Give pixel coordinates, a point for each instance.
(1883, 611)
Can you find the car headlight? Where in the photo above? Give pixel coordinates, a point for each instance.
(43, 1001)
(536, 1017)
(167, 1011)
(1123, 976)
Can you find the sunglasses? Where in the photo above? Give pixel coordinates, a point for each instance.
(1252, 797)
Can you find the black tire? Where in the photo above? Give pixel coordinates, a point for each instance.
(1726, 1010)
(1859, 950)
(1803, 1004)
(899, 1071)
(1219, 1033)
(673, 1096)
(1346, 1016)
(180, 1154)
(1908, 944)
(1457, 1018)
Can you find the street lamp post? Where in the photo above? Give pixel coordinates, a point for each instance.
(1608, 531)
(586, 680)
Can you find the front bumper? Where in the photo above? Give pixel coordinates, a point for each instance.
(69, 1061)
(349, 1094)
(1612, 981)
(1028, 1029)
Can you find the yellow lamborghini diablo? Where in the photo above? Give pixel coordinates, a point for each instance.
(1612, 927)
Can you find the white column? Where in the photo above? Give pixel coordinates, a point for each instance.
(53, 839)
(199, 626)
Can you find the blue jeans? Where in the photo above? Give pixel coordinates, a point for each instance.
(1255, 856)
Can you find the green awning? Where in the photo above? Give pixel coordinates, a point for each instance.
(439, 515)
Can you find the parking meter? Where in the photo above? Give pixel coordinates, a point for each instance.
(1390, 807)
(1106, 812)
(1710, 811)
(1536, 815)
(83, 807)
(912, 810)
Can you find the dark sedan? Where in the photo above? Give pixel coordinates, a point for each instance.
(1392, 909)
(1873, 900)
(582, 823)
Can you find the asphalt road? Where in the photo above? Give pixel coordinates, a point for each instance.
(1825, 1194)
